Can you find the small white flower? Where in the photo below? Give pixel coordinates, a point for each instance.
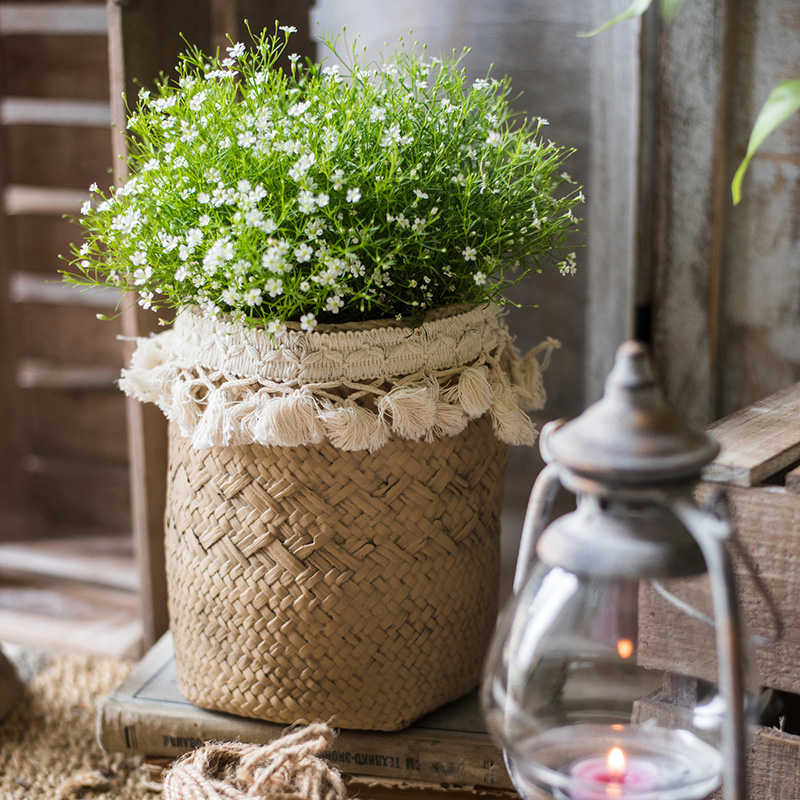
(308, 322)
(182, 273)
(237, 51)
(246, 139)
(204, 198)
(193, 237)
(86, 208)
(138, 258)
(274, 287)
(304, 286)
(377, 114)
(275, 326)
(568, 266)
(494, 139)
(333, 304)
(322, 200)
(230, 296)
(303, 253)
(84, 249)
(305, 201)
(141, 276)
(253, 297)
(294, 58)
(93, 188)
(479, 278)
(204, 220)
(288, 29)
(469, 253)
(353, 195)
(146, 300)
(298, 109)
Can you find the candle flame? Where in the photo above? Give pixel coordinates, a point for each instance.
(616, 762)
(625, 648)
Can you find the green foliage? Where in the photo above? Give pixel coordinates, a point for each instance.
(782, 102)
(335, 191)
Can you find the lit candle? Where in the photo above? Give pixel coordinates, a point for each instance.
(614, 776)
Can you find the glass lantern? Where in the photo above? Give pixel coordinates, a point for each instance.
(581, 708)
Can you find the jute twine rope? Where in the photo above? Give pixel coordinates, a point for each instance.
(287, 769)
(48, 744)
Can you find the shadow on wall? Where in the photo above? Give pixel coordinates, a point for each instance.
(535, 44)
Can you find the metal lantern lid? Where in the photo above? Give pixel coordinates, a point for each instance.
(631, 436)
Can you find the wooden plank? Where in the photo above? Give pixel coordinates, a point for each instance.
(27, 288)
(71, 492)
(96, 560)
(61, 615)
(56, 66)
(688, 211)
(620, 109)
(767, 521)
(143, 42)
(82, 338)
(35, 242)
(41, 374)
(54, 111)
(757, 441)
(45, 155)
(66, 19)
(792, 482)
(42, 200)
(95, 428)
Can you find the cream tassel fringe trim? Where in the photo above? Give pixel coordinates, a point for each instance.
(223, 385)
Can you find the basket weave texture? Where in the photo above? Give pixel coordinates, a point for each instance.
(311, 584)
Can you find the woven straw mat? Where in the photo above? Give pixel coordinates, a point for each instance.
(354, 588)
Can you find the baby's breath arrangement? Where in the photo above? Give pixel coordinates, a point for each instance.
(328, 192)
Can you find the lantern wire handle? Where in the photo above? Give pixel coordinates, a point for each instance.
(720, 506)
(712, 535)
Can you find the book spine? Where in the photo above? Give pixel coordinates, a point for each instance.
(456, 760)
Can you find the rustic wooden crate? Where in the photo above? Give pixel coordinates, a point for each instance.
(757, 469)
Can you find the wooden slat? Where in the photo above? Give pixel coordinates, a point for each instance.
(792, 482)
(67, 19)
(61, 157)
(39, 374)
(67, 616)
(77, 424)
(767, 521)
(42, 200)
(757, 441)
(620, 110)
(74, 492)
(74, 67)
(143, 42)
(99, 560)
(54, 111)
(27, 288)
(35, 242)
(688, 208)
(82, 338)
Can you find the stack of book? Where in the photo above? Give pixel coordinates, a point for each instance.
(448, 750)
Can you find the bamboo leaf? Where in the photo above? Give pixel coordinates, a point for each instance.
(782, 102)
(635, 9)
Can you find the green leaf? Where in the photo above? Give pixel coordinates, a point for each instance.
(635, 9)
(783, 101)
(670, 9)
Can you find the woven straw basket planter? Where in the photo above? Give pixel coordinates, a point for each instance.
(332, 530)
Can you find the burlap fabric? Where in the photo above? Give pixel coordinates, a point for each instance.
(333, 510)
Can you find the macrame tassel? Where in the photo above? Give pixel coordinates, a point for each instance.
(241, 416)
(148, 378)
(411, 408)
(288, 421)
(474, 392)
(212, 430)
(352, 427)
(526, 373)
(450, 421)
(511, 424)
(183, 406)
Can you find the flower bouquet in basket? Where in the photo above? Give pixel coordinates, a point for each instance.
(335, 240)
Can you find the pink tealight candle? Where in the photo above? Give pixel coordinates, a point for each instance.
(614, 776)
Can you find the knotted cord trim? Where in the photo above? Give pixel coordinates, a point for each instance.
(224, 384)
